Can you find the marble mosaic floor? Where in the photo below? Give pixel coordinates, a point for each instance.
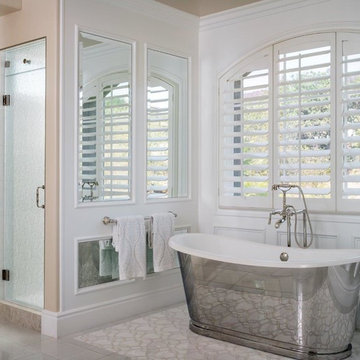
(165, 335)
(156, 336)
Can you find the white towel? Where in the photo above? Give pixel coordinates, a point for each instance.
(130, 242)
(105, 257)
(163, 228)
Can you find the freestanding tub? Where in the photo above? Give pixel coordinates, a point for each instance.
(240, 291)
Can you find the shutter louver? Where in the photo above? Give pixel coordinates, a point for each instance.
(87, 144)
(350, 114)
(245, 149)
(303, 117)
(159, 108)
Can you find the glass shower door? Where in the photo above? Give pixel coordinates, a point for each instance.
(24, 159)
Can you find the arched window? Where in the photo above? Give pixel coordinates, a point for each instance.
(291, 113)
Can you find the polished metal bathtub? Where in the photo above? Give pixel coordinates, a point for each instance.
(240, 291)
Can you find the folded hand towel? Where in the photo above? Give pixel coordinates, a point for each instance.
(129, 241)
(115, 265)
(163, 228)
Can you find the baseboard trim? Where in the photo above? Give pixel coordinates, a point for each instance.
(49, 323)
(68, 322)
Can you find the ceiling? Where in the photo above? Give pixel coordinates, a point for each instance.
(205, 7)
(8, 6)
(195, 7)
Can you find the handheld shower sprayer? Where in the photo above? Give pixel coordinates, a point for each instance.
(288, 211)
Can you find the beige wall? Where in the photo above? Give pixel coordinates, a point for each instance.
(38, 19)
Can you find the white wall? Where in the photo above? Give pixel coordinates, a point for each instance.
(225, 39)
(143, 23)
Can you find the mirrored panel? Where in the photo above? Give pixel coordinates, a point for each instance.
(167, 126)
(104, 162)
(98, 262)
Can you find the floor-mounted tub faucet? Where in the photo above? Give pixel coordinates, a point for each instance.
(289, 211)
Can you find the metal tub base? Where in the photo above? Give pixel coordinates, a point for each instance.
(302, 313)
(262, 344)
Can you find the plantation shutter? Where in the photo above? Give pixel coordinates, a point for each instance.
(87, 151)
(114, 137)
(245, 133)
(160, 110)
(304, 119)
(349, 140)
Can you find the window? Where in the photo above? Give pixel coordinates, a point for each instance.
(105, 139)
(161, 108)
(245, 134)
(349, 116)
(309, 103)
(167, 126)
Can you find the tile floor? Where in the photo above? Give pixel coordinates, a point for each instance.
(25, 344)
(156, 336)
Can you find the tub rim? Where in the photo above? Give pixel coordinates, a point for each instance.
(185, 243)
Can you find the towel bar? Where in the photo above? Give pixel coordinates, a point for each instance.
(106, 220)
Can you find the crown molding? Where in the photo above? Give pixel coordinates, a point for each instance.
(251, 11)
(157, 11)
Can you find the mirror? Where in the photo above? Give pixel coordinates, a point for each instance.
(167, 126)
(105, 116)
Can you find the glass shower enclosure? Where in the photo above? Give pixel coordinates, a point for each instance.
(22, 149)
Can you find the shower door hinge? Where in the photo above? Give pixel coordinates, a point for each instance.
(6, 100)
(6, 275)
(7, 63)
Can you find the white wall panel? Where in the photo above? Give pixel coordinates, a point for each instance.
(241, 233)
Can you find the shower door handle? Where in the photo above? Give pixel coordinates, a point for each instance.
(38, 197)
